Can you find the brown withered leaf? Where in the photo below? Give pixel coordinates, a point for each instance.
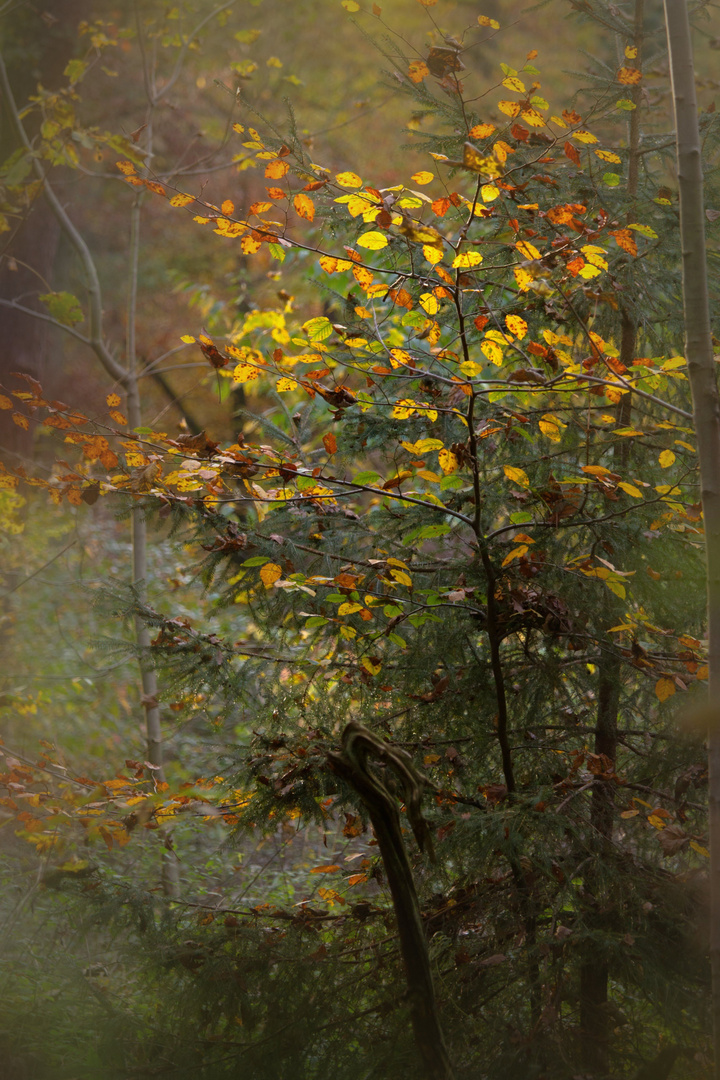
(199, 444)
(442, 61)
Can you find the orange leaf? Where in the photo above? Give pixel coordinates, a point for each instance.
(441, 207)
(330, 868)
(330, 442)
(20, 420)
(560, 215)
(625, 239)
(629, 76)
(418, 70)
(270, 573)
(228, 207)
(113, 400)
(304, 206)
(571, 152)
(357, 879)
(664, 688)
(275, 170)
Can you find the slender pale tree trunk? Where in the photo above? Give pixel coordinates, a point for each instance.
(153, 727)
(706, 408)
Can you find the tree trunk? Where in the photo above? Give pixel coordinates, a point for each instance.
(353, 765)
(706, 409)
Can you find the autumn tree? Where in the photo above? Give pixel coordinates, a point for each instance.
(461, 530)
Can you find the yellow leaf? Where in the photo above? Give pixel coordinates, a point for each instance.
(493, 351)
(518, 476)
(584, 137)
(631, 52)
(431, 759)
(448, 462)
(703, 672)
(188, 339)
(374, 241)
(470, 368)
(401, 577)
(422, 446)
(516, 325)
(656, 821)
(513, 83)
(270, 573)
(485, 20)
(422, 177)
(243, 373)
(432, 254)
(369, 666)
(113, 400)
(516, 553)
(181, 199)
(467, 259)
(666, 459)
(527, 249)
(551, 427)
(664, 688)
(607, 155)
(489, 192)
(630, 489)
(403, 409)
(348, 180)
(428, 302)
(283, 385)
(349, 608)
(523, 279)
(398, 357)
(588, 271)
(699, 848)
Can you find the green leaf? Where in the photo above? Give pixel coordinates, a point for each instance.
(368, 477)
(75, 71)
(316, 620)
(318, 329)
(611, 179)
(16, 168)
(256, 560)
(277, 251)
(64, 307)
(392, 611)
(426, 532)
